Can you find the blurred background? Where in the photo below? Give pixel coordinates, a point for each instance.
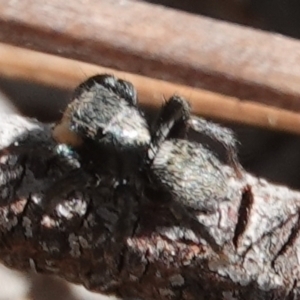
(269, 154)
(282, 16)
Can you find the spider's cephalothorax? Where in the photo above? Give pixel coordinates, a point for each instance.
(103, 109)
(103, 118)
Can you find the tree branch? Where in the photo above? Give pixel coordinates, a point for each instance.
(205, 53)
(56, 218)
(66, 73)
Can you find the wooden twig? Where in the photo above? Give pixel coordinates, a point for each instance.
(65, 73)
(151, 40)
(115, 241)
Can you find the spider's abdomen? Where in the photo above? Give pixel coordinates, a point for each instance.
(191, 173)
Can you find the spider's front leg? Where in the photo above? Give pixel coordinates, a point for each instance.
(171, 122)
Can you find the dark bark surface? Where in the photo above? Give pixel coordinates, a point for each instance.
(57, 219)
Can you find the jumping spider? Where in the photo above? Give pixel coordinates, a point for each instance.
(104, 115)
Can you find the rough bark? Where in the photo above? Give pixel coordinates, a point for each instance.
(119, 241)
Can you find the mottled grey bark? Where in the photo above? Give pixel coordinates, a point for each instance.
(57, 219)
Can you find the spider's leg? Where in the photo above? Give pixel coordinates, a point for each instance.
(223, 135)
(172, 121)
(122, 88)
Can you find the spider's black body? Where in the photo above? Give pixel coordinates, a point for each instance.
(104, 115)
(104, 118)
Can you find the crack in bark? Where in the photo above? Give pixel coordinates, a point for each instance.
(293, 235)
(244, 212)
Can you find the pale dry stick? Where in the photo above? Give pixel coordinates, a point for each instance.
(150, 40)
(66, 73)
